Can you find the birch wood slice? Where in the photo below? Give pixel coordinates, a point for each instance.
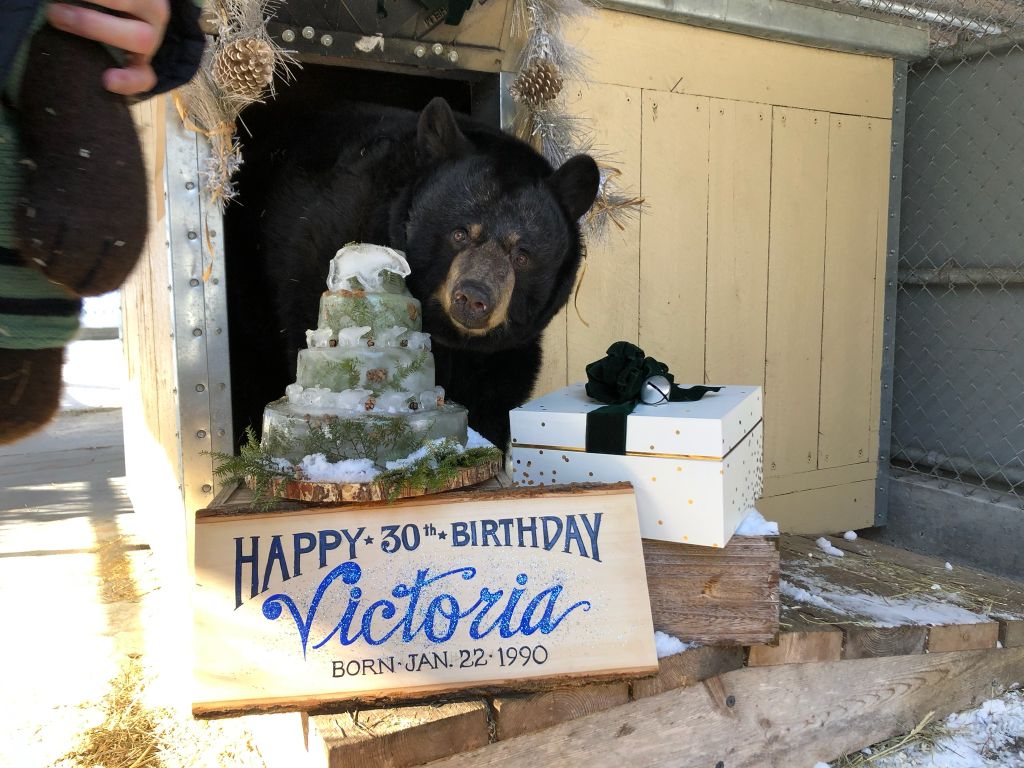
(323, 492)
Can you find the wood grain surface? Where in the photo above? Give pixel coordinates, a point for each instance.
(779, 716)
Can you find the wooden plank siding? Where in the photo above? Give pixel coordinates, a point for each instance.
(795, 283)
(848, 324)
(153, 460)
(737, 276)
(640, 52)
(673, 242)
(759, 256)
(607, 305)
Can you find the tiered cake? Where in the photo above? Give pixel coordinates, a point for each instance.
(365, 384)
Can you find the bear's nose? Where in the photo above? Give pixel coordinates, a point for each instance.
(471, 304)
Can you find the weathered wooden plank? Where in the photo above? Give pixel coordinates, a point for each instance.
(606, 307)
(805, 511)
(516, 715)
(674, 234)
(399, 737)
(800, 641)
(650, 53)
(882, 608)
(737, 278)
(799, 158)
(820, 478)
(715, 596)
(1002, 599)
(863, 636)
(781, 716)
(952, 635)
(858, 156)
(963, 637)
(153, 463)
(872, 642)
(689, 668)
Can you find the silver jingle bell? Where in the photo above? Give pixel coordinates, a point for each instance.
(655, 391)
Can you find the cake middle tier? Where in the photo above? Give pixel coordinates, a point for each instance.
(378, 369)
(291, 433)
(380, 311)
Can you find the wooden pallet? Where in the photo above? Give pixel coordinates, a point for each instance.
(831, 684)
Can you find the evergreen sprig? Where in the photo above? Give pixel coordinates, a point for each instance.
(346, 369)
(257, 465)
(361, 312)
(415, 366)
(436, 469)
(358, 437)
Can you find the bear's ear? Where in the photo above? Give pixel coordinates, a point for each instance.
(438, 135)
(575, 184)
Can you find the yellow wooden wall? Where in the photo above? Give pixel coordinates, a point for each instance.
(760, 256)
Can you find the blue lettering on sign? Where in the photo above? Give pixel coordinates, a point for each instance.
(436, 615)
(284, 557)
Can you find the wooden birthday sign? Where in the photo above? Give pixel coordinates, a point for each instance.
(482, 590)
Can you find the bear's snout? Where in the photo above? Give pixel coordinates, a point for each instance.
(471, 304)
(478, 290)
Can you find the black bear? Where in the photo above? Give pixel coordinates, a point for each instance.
(489, 229)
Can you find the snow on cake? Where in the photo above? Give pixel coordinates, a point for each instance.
(366, 380)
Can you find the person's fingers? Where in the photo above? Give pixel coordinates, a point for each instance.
(131, 80)
(132, 35)
(155, 12)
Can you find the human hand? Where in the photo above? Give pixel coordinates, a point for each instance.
(139, 32)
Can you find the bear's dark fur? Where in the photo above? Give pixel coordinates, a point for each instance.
(488, 228)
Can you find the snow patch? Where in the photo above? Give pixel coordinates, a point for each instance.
(318, 469)
(801, 595)
(949, 566)
(476, 440)
(282, 465)
(850, 535)
(826, 546)
(421, 453)
(927, 609)
(754, 524)
(978, 738)
(667, 645)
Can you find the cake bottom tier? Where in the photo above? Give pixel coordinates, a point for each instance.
(291, 434)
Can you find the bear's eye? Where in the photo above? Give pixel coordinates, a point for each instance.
(521, 258)
(460, 235)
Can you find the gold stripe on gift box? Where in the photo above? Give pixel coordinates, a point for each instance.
(689, 457)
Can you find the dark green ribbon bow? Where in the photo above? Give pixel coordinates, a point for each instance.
(617, 379)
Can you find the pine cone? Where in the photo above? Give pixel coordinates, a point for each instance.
(244, 67)
(537, 84)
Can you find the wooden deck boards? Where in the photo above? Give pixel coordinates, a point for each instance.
(889, 602)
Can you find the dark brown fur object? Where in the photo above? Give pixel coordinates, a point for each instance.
(30, 382)
(82, 220)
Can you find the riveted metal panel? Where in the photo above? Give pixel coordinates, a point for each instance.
(199, 312)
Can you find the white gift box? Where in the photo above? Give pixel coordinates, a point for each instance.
(696, 467)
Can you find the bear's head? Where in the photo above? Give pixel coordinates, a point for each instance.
(490, 231)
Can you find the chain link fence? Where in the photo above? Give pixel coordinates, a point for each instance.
(958, 383)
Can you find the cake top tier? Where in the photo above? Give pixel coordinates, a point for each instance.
(370, 268)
